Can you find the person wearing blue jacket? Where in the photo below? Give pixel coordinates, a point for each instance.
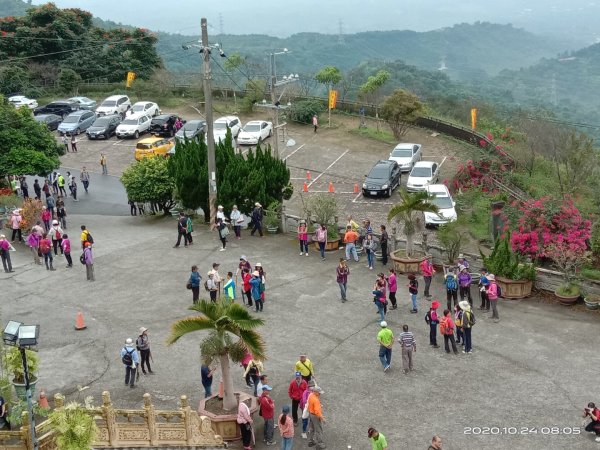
(130, 358)
(255, 283)
(194, 283)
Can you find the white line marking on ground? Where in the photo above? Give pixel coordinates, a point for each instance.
(122, 143)
(294, 151)
(356, 198)
(329, 167)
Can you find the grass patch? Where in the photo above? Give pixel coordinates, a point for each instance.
(568, 290)
(372, 133)
(475, 206)
(590, 273)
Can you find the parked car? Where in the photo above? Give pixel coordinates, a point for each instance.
(164, 124)
(254, 132)
(133, 126)
(61, 108)
(221, 124)
(52, 121)
(406, 155)
(20, 100)
(153, 146)
(77, 122)
(84, 103)
(382, 179)
(422, 174)
(440, 196)
(104, 127)
(149, 108)
(115, 104)
(191, 129)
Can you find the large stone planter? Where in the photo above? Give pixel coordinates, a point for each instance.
(514, 289)
(406, 264)
(22, 391)
(226, 425)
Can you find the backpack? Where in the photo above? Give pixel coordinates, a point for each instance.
(469, 317)
(89, 238)
(428, 318)
(498, 290)
(82, 259)
(44, 247)
(443, 327)
(57, 235)
(127, 358)
(206, 285)
(451, 283)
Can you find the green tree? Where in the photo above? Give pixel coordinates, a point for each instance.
(149, 181)
(232, 332)
(255, 92)
(372, 87)
(14, 79)
(27, 146)
(409, 212)
(329, 76)
(68, 81)
(400, 110)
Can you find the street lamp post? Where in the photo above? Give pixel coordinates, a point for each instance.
(24, 337)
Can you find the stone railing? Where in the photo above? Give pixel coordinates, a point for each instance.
(128, 428)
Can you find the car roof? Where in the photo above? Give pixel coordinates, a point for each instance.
(150, 140)
(115, 97)
(60, 102)
(142, 103)
(80, 112)
(109, 116)
(195, 121)
(383, 162)
(79, 97)
(43, 116)
(255, 122)
(438, 188)
(428, 164)
(227, 118)
(165, 116)
(136, 116)
(17, 97)
(405, 145)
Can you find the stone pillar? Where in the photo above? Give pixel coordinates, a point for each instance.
(393, 240)
(283, 220)
(109, 416)
(150, 419)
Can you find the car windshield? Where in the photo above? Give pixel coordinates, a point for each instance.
(71, 119)
(252, 128)
(109, 103)
(442, 202)
(16, 100)
(143, 146)
(379, 173)
(220, 126)
(159, 120)
(138, 107)
(191, 126)
(101, 122)
(421, 172)
(402, 153)
(130, 122)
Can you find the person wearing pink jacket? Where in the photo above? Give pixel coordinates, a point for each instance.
(427, 271)
(492, 295)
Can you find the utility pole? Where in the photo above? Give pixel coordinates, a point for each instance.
(210, 139)
(276, 106)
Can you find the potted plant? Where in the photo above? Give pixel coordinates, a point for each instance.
(18, 407)
(592, 301)
(409, 213)
(231, 333)
(324, 210)
(74, 425)
(451, 236)
(271, 218)
(14, 364)
(569, 260)
(514, 276)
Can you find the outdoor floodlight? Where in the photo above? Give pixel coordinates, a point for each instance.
(28, 335)
(11, 332)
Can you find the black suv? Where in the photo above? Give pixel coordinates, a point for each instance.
(382, 179)
(60, 107)
(164, 125)
(104, 127)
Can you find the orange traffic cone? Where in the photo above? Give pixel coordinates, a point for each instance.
(305, 187)
(308, 174)
(79, 322)
(331, 187)
(43, 401)
(356, 188)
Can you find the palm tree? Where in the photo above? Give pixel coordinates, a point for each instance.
(225, 322)
(408, 212)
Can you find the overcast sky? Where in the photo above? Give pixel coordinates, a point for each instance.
(286, 17)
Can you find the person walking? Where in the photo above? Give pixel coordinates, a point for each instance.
(305, 367)
(409, 346)
(303, 237)
(103, 164)
(350, 238)
(370, 245)
(206, 374)
(223, 233)
(46, 251)
(385, 337)
(56, 234)
(181, 231)
(432, 319)
(89, 262)
(379, 298)
(65, 141)
(24, 187)
(66, 249)
(458, 314)
(483, 284)
(392, 287)
(46, 218)
(342, 272)
(468, 320)
(447, 330)
(378, 441)
(84, 177)
(143, 346)
(60, 180)
(130, 358)
(383, 241)
(257, 218)
(189, 228)
(5, 254)
(427, 271)
(74, 143)
(492, 295)
(194, 283)
(451, 283)
(295, 391)
(315, 122)
(286, 428)
(304, 407)
(464, 282)
(236, 220)
(51, 204)
(267, 411)
(413, 290)
(15, 225)
(321, 237)
(46, 188)
(132, 208)
(61, 215)
(315, 419)
(244, 420)
(37, 189)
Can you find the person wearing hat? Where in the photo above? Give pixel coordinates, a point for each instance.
(295, 391)
(130, 358)
(305, 367)
(483, 283)
(432, 320)
(385, 337)
(15, 225)
(236, 220)
(89, 262)
(377, 439)
(316, 419)
(253, 371)
(257, 218)
(56, 234)
(462, 261)
(427, 271)
(255, 284)
(223, 233)
(267, 411)
(220, 214)
(286, 428)
(303, 406)
(464, 284)
(451, 283)
(413, 290)
(492, 295)
(303, 237)
(143, 346)
(5, 254)
(468, 320)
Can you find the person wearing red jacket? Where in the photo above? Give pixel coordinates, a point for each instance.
(267, 411)
(295, 391)
(447, 330)
(246, 283)
(427, 271)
